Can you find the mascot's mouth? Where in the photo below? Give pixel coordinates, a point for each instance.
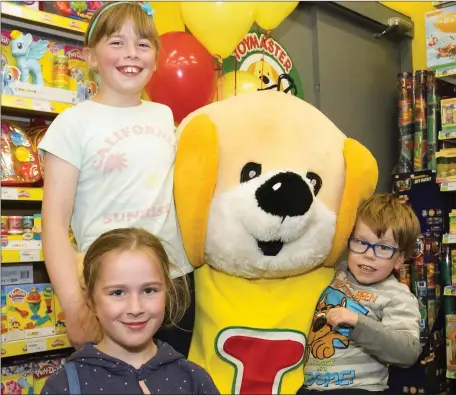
(270, 248)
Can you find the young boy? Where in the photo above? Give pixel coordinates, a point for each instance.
(367, 319)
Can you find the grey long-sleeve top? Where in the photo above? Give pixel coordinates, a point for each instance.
(387, 332)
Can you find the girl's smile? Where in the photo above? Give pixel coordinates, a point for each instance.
(129, 301)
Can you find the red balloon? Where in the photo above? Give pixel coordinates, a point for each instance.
(186, 76)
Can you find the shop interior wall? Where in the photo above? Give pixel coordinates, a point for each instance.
(415, 10)
(350, 76)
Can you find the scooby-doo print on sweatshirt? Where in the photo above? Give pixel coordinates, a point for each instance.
(352, 357)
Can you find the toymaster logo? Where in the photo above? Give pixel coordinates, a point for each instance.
(264, 57)
(253, 42)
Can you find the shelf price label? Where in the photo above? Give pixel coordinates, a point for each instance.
(17, 275)
(29, 255)
(12, 9)
(39, 105)
(10, 193)
(448, 186)
(36, 345)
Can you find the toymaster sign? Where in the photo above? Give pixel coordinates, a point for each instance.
(265, 58)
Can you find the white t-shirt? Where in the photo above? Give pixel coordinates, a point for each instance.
(126, 157)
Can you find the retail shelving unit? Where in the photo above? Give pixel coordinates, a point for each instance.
(448, 186)
(25, 257)
(40, 18)
(31, 107)
(31, 346)
(20, 193)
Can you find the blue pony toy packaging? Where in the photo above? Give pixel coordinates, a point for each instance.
(26, 59)
(28, 53)
(30, 69)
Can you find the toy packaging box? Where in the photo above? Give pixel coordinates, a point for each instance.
(451, 343)
(60, 323)
(422, 192)
(442, 3)
(55, 71)
(30, 229)
(42, 370)
(440, 37)
(448, 114)
(19, 164)
(4, 317)
(18, 379)
(30, 311)
(30, 4)
(80, 10)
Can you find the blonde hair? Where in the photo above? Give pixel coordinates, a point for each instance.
(385, 211)
(120, 240)
(113, 19)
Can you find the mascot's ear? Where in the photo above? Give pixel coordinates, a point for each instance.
(195, 177)
(361, 175)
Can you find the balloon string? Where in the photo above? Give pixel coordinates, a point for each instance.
(221, 82)
(266, 36)
(219, 69)
(262, 69)
(235, 76)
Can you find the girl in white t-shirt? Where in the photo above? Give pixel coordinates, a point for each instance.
(109, 162)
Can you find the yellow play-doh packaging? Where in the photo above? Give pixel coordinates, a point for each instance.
(30, 311)
(60, 323)
(42, 371)
(3, 316)
(78, 70)
(18, 379)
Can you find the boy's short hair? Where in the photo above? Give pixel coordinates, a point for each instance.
(385, 211)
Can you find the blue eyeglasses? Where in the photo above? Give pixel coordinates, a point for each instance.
(381, 251)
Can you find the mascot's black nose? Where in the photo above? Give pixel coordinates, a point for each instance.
(284, 195)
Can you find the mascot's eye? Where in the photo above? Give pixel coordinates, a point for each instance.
(250, 171)
(315, 180)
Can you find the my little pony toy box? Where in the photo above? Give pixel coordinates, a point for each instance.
(43, 69)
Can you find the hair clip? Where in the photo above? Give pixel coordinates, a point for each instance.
(146, 7)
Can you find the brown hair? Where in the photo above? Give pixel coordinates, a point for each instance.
(112, 20)
(385, 211)
(119, 240)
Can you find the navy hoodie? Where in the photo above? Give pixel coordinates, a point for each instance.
(166, 373)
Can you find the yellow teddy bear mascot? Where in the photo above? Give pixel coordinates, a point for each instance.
(266, 191)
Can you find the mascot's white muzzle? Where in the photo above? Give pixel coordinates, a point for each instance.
(270, 226)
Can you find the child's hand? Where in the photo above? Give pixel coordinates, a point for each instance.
(341, 316)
